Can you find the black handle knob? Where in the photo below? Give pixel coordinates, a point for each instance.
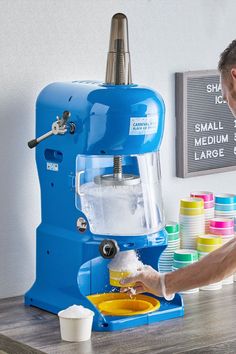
(108, 248)
(32, 143)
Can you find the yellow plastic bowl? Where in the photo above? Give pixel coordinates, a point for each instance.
(139, 304)
(116, 276)
(127, 307)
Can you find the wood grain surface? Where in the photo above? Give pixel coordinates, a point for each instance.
(10, 346)
(209, 326)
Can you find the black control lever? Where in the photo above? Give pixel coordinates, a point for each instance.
(58, 127)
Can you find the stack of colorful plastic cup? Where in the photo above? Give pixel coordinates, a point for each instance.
(166, 259)
(225, 205)
(209, 210)
(183, 258)
(205, 245)
(225, 229)
(192, 221)
(235, 236)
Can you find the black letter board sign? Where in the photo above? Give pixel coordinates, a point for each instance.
(205, 127)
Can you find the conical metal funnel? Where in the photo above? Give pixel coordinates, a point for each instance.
(118, 73)
(118, 70)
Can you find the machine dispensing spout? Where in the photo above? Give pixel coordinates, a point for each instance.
(118, 70)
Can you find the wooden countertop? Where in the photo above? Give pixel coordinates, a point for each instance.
(209, 326)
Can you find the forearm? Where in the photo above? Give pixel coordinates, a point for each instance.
(210, 269)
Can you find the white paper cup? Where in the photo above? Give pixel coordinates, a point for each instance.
(189, 241)
(189, 245)
(191, 218)
(75, 329)
(192, 227)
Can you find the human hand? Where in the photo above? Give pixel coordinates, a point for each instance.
(146, 280)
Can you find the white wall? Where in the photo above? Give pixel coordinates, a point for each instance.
(42, 41)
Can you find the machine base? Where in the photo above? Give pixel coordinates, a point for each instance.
(69, 269)
(168, 310)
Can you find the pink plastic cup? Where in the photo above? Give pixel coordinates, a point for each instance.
(221, 223)
(208, 205)
(218, 231)
(206, 196)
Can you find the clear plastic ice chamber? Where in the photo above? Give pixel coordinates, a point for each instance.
(120, 195)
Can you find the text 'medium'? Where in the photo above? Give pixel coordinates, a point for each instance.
(205, 127)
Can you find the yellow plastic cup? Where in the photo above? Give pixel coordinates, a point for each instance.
(116, 276)
(194, 203)
(209, 240)
(207, 248)
(191, 212)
